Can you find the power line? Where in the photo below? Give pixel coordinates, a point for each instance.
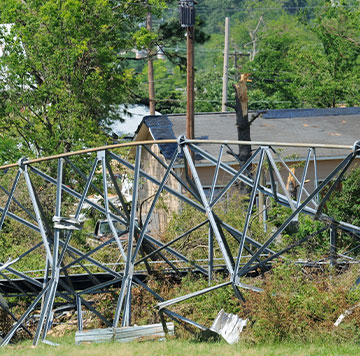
(275, 8)
(162, 80)
(218, 102)
(207, 8)
(205, 50)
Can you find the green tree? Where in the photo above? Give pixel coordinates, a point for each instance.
(9, 149)
(272, 69)
(169, 74)
(170, 84)
(344, 204)
(213, 12)
(328, 72)
(208, 91)
(311, 64)
(61, 70)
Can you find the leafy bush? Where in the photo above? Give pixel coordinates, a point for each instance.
(302, 305)
(344, 204)
(297, 304)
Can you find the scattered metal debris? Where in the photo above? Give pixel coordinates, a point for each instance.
(345, 313)
(229, 326)
(65, 223)
(125, 334)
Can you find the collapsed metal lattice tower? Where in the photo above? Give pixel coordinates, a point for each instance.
(61, 255)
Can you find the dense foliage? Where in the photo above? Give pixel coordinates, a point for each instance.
(61, 71)
(300, 53)
(344, 205)
(67, 64)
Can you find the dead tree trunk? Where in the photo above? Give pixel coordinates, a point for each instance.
(242, 119)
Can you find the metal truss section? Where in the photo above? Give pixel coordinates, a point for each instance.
(51, 199)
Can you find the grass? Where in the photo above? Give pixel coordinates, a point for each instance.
(177, 347)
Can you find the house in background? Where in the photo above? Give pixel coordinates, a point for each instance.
(338, 126)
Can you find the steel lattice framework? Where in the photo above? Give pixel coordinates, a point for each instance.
(56, 236)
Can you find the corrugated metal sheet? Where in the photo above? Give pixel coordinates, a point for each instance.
(293, 113)
(229, 326)
(124, 334)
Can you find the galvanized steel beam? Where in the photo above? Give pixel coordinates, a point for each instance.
(57, 248)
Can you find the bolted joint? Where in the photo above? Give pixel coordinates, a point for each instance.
(21, 162)
(356, 148)
(181, 140)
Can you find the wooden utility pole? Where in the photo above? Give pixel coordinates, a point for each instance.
(190, 126)
(187, 19)
(226, 65)
(236, 66)
(150, 70)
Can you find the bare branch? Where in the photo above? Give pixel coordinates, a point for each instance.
(256, 116)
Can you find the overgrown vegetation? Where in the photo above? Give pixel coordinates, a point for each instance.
(298, 305)
(344, 204)
(303, 304)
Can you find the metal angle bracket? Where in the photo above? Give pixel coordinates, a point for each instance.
(65, 223)
(101, 155)
(247, 286)
(50, 343)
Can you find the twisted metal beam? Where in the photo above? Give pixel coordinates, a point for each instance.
(57, 239)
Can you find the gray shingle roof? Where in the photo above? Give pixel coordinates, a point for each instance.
(333, 129)
(341, 130)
